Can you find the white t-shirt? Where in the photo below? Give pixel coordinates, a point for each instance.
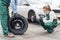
(52, 17)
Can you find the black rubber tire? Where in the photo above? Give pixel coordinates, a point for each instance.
(32, 13)
(34, 18)
(24, 24)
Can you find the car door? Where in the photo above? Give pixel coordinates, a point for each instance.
(23, 9)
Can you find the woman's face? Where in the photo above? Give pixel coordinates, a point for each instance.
(45, 10)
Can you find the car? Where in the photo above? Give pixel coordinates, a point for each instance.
(57, 11)
(55, 6)
(29, 10)
(32, 9)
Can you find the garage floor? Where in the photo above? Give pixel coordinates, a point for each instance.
(34, 32)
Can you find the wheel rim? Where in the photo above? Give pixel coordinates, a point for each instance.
(32, 18)
(17, 24)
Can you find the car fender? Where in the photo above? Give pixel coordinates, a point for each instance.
(36, 10)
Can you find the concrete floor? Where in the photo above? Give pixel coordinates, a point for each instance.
(34, 32)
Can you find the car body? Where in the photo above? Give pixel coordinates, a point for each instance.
(57, 11)
(55, 6)
(30, 11)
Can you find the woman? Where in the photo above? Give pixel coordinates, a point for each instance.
(49, 22)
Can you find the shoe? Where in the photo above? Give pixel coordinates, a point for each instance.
(10, 35)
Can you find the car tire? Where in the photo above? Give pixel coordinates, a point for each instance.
(18, 24)
(32, 16)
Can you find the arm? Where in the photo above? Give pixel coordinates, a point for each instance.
(55, 22)
(55, 19)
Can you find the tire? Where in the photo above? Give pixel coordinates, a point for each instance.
(32, 16)
(18, 24)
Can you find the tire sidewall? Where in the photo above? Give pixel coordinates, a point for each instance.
(25, 24)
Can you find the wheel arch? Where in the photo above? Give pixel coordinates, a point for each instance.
(32, 13)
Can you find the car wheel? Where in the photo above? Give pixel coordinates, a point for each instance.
(32, 16)
(18, 24)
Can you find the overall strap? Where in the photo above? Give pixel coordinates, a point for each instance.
(48, 16)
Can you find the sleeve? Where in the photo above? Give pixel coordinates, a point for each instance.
(55, 22)
(53, 15)
(54, 19)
